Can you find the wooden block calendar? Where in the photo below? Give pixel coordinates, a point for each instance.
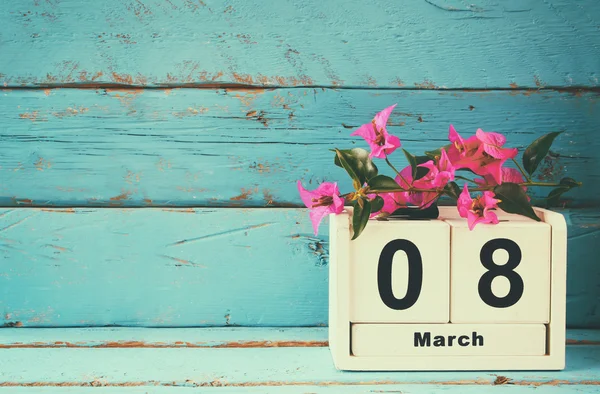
(433, 295)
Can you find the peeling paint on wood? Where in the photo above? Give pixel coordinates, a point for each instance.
(191, 148)
(220, 338)
(280, 43)
(159, 267)
(302, 367)
(201, 267)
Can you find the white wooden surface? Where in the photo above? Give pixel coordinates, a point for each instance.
(448, 339)
(468, 305)
(432, 239)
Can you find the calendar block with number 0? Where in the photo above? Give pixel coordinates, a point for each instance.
(434, 295)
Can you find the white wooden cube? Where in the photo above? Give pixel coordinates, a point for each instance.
(500, 273)
(398, 275)
(365, 335)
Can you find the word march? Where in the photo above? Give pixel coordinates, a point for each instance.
(424, 340)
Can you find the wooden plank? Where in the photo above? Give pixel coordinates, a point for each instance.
(221, 337)
(134, 337)
(199, 267)
(583, 337)
(354, 389)
(251, 368)
(425, 44)
(161, 267)
(188, 147)
(323, 389)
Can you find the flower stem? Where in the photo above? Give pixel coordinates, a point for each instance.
(397, 172)
(475, 189)
(542, 184)
(522, 171)
(433, 199)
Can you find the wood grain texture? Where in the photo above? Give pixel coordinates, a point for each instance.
(199, 267)
(225, 368)
(221, 337)
(375, 43)
(228, 147)
(312, 389)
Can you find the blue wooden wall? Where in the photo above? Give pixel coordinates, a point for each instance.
(150, 148)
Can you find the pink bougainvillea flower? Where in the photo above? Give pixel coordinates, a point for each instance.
(439, 174)
(376, 135)
(420, 199)
(508, 175)
(437, 178)
(392, 202)
(478, 210)
(482, 153)
(321, 201)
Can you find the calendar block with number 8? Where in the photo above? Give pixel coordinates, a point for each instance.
(434, 295)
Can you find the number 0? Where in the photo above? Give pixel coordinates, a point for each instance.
(415, 274)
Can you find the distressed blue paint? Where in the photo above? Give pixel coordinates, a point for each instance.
(251, 367)
(155, 267)
(191, 147)
(199, 267)
(347, 389)
(252, 337)
(169, 337)
(323, 389)
(422, 44)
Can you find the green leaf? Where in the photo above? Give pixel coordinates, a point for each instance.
(566, 184)
(569, 182)
(555, 194)
(377, 204)
(453, 190)
(360, 217)
(357, 163)
(514, 200)
(414, 161)
(383, 183)
(431, 212)
(535, 153)
(350, 169)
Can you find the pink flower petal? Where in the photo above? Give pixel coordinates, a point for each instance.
(405, 175)
(391, 144)
(473, 219)
(316, 216)
(426, 199)
(366, 131)
(327, 189)
(489, 200)
(377, 151)
(490, 217)
(444, 163)
(306, 196)
(338, 204)
(494, 169)
(391, 202)
(382, 117)
(465, 202)
(512, 175)
(490, 138)
(454, 137)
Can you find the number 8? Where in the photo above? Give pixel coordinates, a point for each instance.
(494, 270)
